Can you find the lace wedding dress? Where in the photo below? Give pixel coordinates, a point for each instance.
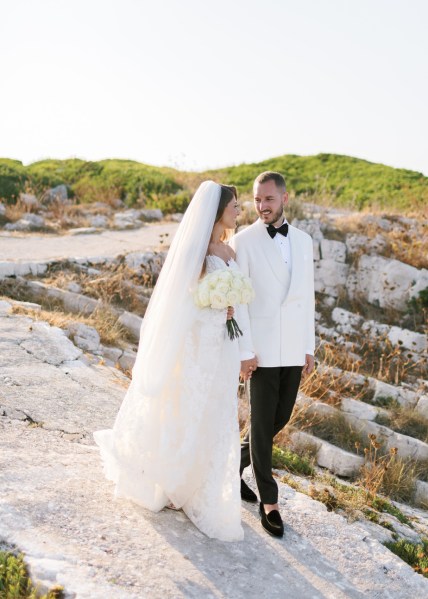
(183, 446)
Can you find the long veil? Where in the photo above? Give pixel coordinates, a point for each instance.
(152, 441)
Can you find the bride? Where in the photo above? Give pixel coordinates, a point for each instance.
(176, 436)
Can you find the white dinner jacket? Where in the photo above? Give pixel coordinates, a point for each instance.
(281, 328)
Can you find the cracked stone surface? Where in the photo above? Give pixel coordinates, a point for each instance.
(57, 507)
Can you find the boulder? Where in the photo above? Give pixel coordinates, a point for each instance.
(330, 277)
(333, 250)
(5, 307)
(50, 344)
(28, 200)
(421, 494)
(127, 360)
(360, 409)
(132, 322)
(21, 269)
(56, 194)
(98, 221)
(347, 321)
(151, 214)
(405, 397)
(411, 340)
(310, 226)
(338, 461)
(422, 406)
(84, 336)
(2, 209)
(29, 222)
(386, 283)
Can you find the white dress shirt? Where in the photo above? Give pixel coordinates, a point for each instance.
(284, 245)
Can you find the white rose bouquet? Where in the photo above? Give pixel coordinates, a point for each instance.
(221, 289)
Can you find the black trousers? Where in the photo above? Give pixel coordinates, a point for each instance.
(273, 393)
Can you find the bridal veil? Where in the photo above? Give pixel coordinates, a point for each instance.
(154, 453)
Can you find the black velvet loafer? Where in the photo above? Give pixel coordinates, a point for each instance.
(272, 522)
(247, 494)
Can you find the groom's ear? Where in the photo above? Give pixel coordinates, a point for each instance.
(285, 199)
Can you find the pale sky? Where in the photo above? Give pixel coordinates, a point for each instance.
(200, 84)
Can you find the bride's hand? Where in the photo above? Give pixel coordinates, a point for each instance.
(230, 312)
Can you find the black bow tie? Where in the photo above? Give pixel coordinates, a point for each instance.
(283, 230)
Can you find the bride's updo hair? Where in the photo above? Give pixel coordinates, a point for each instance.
(228, 192)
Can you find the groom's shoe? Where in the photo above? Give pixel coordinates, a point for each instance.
(272, 522)
(247, 494)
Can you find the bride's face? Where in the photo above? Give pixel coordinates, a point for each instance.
(230, 214)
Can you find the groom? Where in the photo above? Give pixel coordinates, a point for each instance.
(279, 345)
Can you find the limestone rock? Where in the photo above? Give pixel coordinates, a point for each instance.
(310, 226)
(28, 200)
(347, 321)
(132, 322)
(5, 307)
(56, 194)
(330, 277)
(421, 494)
(386, 283)
(16, 269)
(151, 215)
(360, 409)
(84, 336)
(2, 209)
(333, 250)
(338, 461)
(422, 406)
(382, 390)
(99, 221)
(127, 360)
(50, 344)
(408, 339)
(29, 222)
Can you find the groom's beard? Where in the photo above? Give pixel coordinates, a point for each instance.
(273, 217)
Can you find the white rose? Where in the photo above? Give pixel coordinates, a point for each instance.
(237, 283)
(225, 276)
(218, 300)
(222, 288)
(204, 295)
(232, 298)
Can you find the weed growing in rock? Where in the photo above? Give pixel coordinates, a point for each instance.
(15, 582)
(414, 554)
(283, 458)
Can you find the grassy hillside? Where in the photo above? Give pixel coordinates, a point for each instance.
(325, 178)
(338, 180)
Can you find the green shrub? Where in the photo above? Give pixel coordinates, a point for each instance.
(414, 554)
(12, 179)
(288, 460)
(15, 582)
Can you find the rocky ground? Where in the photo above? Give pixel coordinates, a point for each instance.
(58, 385)
(57, 507)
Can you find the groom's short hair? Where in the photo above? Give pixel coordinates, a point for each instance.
(272, 176)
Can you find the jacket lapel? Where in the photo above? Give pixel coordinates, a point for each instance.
(297, 260)
(272, 253)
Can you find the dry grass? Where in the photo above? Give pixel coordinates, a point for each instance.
(406, 421)
(116, 285)
(111, 332)
(410, 247)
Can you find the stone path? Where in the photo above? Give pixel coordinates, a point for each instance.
(56, 506)
(35, 247)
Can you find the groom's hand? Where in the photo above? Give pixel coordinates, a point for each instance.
(248, 367)
(309, 365)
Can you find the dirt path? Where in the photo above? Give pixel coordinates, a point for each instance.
(34, 247)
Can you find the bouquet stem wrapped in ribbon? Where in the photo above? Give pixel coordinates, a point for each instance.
(222, 289)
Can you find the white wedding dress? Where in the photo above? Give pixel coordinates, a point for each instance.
(183, 446)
